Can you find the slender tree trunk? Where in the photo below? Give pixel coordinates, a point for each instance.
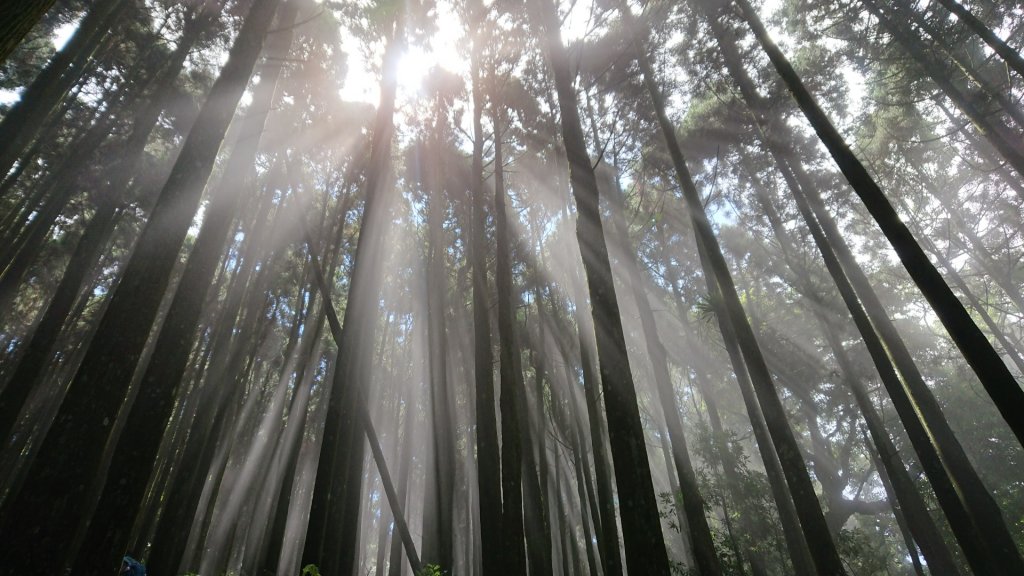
(606, 522)
(953, 477)
(23, 122)
(693, 503)
(74, 445)
(1012, 58)
(438, 500)
(796, 543)
(812, 521)
(89, 247)
(365, 422)
(135, 454)
(906, 499)
(641, 527)
(225, 358)
(334, 516)
(897, 512)
(799, 183)
(395, 558)
(18, 21)
(515, 449)
(993, 373)
(496, 557)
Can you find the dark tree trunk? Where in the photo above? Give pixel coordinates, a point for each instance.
(906, 500)
(993, 373)
(365, 422)
(1012, 58)
(23, 122)
(439, 496)
(641, 526)
(897, 512)
(961, 494)
(796, 543)
(74, 445)
(18, 21)
(88, 250)
(334, 516)
(812, 521)
(395, 558)
(494, 554)
(225, 358)
(514, 426)
(834, 251)
(693, 503)
(57, 190)
(135, 453)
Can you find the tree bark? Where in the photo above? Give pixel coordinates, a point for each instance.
(22, 123)
(979, 353)
(334, 516)
(641, 526)
(812, 521)
(1012, 58)
(135, 453)
(18, 21)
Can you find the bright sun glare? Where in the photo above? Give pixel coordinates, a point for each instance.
(442, 50)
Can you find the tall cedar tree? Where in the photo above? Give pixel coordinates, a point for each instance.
(18, 20)
(51, 505)
(979, 353)
(135, 453)
(812, 521)
(331, 540)
(641, 529)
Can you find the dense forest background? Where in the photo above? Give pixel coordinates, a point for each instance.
(496, 287)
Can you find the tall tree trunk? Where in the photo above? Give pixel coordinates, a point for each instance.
(365, 423)
(18, 21)
(844, 271)
(897, 511)
(993, 373)
(248, 290)
(796, 543)
(699, 531)
(334, 516)
(23, 122)
(438, 500)
(135, 453)
(963, 497)
(395, 558)
(515, 450)
(641, 526)
(606, 522)
(1012, 58)
(74, 445)
(495, 555)
(812, 521)
(90, 246)
(907, 500)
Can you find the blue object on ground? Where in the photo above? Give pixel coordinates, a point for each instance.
(132, 567)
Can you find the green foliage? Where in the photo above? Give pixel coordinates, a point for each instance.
(431, 570)
(310, 570)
